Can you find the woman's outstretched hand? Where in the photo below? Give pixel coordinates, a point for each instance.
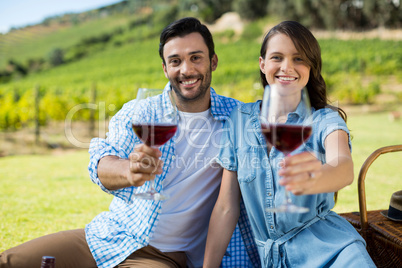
(300, 172)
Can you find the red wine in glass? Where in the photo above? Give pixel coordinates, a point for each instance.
(154, 134)
(286, 138)
(154, 130)
(286, 133)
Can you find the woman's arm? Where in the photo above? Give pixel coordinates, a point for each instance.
(304, 174)
(223, 220)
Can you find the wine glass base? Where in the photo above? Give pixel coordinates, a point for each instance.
(288, 208)
(151, 196)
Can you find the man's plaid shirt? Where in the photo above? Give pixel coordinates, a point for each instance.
(114, 235)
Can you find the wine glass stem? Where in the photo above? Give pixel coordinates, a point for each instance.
(152, 189)
(288, 199)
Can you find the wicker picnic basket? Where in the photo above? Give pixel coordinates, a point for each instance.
(383, 236)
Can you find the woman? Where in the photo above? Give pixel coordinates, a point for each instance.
(290, 58)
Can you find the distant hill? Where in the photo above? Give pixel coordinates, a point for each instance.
(35, 42)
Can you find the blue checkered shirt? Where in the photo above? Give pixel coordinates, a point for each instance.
(114, 235)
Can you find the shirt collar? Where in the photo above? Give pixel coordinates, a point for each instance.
(300, 112)
(166, 102)
(255, 109)
(219, 109)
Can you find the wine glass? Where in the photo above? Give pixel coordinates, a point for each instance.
(286, 133)
(154, 122)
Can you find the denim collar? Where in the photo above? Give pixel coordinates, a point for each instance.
(254, 110)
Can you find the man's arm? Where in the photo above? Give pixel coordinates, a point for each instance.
(116, 162)
(142, 165)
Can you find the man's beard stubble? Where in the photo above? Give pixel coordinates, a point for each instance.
(202, 90)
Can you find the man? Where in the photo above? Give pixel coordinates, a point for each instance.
(145, 233)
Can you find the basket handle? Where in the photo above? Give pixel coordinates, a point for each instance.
(362, 177)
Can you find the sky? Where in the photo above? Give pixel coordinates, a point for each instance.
(18, 13)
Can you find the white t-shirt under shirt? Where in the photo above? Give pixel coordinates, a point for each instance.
(192, 186)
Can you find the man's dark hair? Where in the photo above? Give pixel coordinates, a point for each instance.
(184, 27)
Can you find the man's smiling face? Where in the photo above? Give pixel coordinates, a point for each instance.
(188, 67)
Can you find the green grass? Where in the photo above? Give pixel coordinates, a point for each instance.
(371, 132)
(46, 194)
(50, 193)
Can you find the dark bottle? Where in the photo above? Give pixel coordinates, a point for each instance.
(48, 262)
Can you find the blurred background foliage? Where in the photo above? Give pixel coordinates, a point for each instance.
(113, 50)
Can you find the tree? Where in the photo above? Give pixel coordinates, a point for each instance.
(251, 9)
(208, 10)
(283, 8)
(56, 57)
(383, 13)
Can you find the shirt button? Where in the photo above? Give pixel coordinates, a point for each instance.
(269, 194)
(272, 227)
(173, 157)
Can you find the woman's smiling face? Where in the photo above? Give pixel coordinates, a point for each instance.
(283, 64)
